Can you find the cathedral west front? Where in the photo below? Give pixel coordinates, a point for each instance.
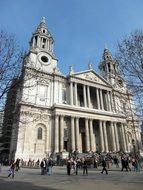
(82, 111)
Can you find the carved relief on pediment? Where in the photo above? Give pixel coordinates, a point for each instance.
(91, 77)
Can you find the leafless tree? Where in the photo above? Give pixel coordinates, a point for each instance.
(10, 63)
(130, 56)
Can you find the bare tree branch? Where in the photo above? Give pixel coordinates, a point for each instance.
(130, 56)
(10, 62)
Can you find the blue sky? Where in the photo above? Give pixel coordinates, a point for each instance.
(80, 28)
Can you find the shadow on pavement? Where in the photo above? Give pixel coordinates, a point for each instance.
(11, 184)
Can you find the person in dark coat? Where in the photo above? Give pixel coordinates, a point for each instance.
(124, 163)
(69, 167)
(43, 166)
(17, 164)
(85, 166)
(104, 166)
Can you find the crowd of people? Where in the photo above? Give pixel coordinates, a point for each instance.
(76, 162)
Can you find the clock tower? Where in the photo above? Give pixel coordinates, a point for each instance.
(110, 70)
(41, 56)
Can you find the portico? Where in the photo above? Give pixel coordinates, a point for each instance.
(90, 95)
(89, 134)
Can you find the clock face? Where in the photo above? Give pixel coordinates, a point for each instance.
(44, 58)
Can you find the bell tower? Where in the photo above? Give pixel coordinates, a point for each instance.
(41, 56)
(41, 39)
(108, 66)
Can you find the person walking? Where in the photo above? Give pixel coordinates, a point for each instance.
(12, 169)
(104, 166)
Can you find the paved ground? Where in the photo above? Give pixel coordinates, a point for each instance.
(26, 179)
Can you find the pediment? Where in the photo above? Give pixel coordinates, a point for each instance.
(91, 76)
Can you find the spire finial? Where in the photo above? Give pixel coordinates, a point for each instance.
(90, 65)
(71, 71)
(43, 19)
(105, 46)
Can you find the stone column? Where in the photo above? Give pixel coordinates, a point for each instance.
(75, 93)
(116, 136)
(101, 99)
(38, 41)
(109, 101)
(112, 102)
(98, 100)
(77, 134)
(92, 143)
(55, 90)
(113, 137)
(84, 96)
(88, 97)
(34, 42)
(123, 137)
(71, 93)
(126, 137)
(51, 47)
(101, 136)
(105, 136)
(87, 135)
(48, 45)
(61, 134)
(56, 133)
(106, 104)
(72, 134)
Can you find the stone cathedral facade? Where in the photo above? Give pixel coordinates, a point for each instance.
(82, 111)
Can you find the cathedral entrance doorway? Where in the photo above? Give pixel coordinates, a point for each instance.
(66, 145)
(83, 142)
(82, 133)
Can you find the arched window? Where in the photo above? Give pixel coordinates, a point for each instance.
(39, 134)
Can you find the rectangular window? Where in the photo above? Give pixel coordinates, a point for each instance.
(44, 40)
